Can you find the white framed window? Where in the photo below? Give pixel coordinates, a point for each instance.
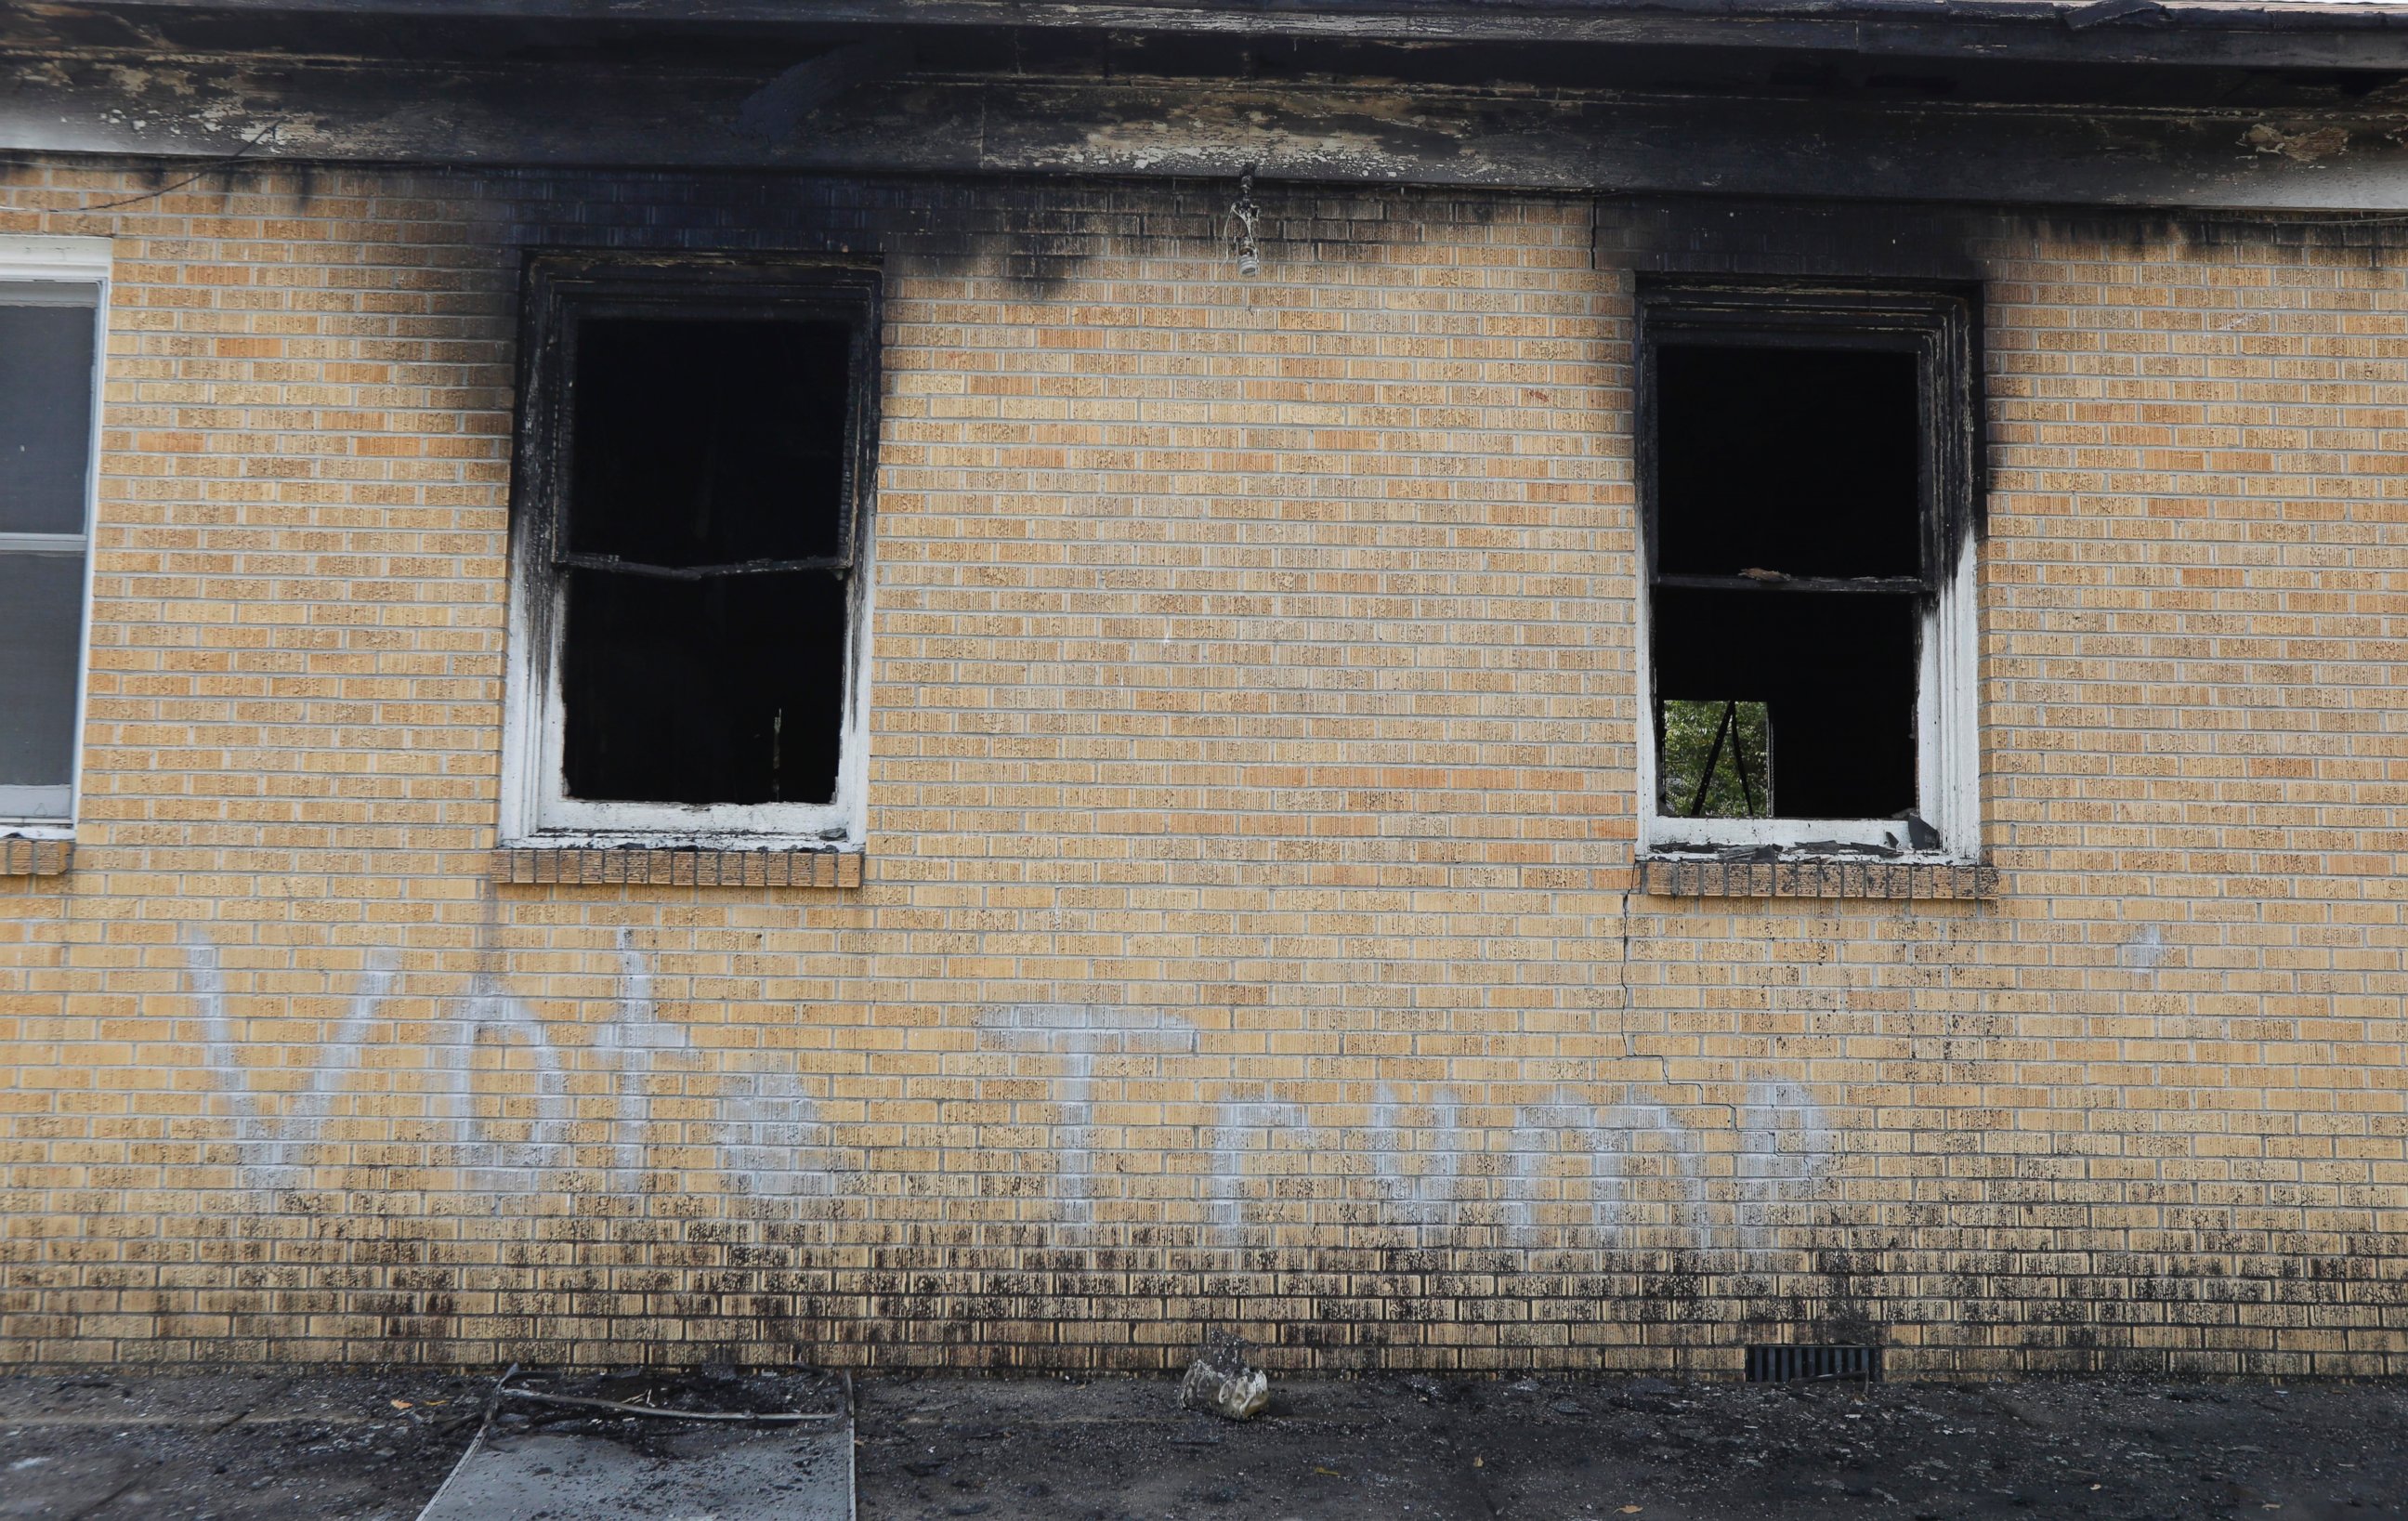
(1809, 470)
(53, 301)
(691, 539)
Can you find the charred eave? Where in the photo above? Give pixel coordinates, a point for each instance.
(696, 116)
(1731, 99)
(2278, 35)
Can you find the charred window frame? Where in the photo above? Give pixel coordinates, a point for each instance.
(1834, 428)
(690, 551)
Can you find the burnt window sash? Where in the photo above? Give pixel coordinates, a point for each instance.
(807, 306)
(1933, 327)
(566, 295)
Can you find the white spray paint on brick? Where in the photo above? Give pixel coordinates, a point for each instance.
(1084, 1055)
(1705, 1177)
(761, 1136)
(277, 1138)
(1650, 1177)
(503, 1157)
(2144, 952)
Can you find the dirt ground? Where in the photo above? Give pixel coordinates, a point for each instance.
(1552, 1450)
(102, 1446)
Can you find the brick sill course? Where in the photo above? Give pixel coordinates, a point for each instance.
(1898, 881)
(23, 857)
(676, 865)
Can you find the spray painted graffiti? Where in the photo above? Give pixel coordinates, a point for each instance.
(1442, 1168)
(616, 1111)
(1103, 1106)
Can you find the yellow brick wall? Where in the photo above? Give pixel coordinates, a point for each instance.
(1247, 933)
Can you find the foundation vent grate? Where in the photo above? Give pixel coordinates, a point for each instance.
(1784, 1364)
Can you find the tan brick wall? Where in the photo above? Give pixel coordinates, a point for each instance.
(1248, 932)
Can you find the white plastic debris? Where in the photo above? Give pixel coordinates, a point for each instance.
(1220, 1380)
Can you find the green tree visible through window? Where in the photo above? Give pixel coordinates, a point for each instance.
(1726, 743)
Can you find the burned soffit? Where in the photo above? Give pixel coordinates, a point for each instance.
(1416, 93)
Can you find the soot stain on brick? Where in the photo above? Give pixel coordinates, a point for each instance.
(1031, 235)
(1960, 244)
(1849, 1294)
(1034, 237)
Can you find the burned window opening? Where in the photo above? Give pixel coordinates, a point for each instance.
(695, 467)
(708, 454)
(1806, 464)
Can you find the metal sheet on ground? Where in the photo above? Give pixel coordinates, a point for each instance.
(667, 1471)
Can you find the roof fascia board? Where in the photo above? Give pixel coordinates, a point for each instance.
(229, 121)
(2279, 33)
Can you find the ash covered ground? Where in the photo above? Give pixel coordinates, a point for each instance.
(1552, 1450)
(100, 1446)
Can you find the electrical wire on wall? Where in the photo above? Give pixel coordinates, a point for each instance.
(1242, 227)
(219, 165)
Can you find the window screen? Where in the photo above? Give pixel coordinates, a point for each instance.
(47, 350)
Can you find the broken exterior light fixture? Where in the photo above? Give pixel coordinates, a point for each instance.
(1247, 215)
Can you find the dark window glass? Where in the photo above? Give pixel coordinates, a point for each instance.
(1806, 462)
(725, 690)
(41, 624)
(700, 444)
(46, 369)
(46, 354)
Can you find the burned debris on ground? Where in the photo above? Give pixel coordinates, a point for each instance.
(642, 1443)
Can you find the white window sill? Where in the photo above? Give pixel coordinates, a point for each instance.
(1838, 839)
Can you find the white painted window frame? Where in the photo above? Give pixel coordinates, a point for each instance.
(536, 811)
(26, 258)
(1947, 698)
